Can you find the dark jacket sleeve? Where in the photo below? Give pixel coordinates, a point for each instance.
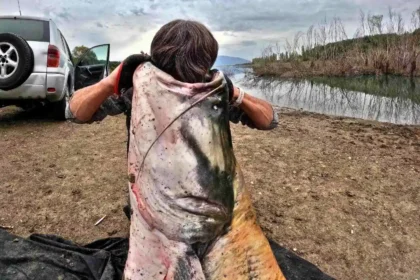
(237, 115)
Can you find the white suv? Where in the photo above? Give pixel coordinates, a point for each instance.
(36, 65)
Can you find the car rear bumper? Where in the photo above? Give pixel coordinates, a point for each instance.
(39, 86)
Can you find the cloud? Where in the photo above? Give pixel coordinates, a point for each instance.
(242, 27)
(138, 11)
(248, 43)
(64, 15)
(154, 6)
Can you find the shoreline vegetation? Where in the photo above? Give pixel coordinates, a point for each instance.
(379, 47)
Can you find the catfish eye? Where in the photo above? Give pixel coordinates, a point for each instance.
(216, 102)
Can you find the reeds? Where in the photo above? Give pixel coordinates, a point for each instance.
(378, 47)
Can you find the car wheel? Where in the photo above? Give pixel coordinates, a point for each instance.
(59, 107)
(16, 61)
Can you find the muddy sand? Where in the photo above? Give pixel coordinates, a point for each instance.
(342, 193)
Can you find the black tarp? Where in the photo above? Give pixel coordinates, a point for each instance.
(43, 257)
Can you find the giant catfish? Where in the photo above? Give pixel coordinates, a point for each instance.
(192, 216)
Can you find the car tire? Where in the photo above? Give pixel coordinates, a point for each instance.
(14, 49)
(59, 108)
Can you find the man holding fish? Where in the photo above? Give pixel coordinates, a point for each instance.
(191, 214)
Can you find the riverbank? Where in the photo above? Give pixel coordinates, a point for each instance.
(381, 54)
(343, 193)
(328, 68)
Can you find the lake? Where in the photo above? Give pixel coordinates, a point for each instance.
(385, 99)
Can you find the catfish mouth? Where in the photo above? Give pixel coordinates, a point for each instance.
(202, 207)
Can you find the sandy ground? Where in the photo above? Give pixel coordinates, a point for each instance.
(342, 193)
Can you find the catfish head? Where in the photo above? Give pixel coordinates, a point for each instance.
(181, 157)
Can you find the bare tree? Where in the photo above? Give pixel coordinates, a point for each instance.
(371, 24)
(309, 37)
(288, 47)
(316, 37)
(341, 29)
(391, 24)
(362, 23)
(296, 42)
(400, 24)
(323, 33)
(267, 52)
(278, 50)
(332, 31)
(377, 22)
(323, 36)
(358, 33)
(398, 55)
(415, 20)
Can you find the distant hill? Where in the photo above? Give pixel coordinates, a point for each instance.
(229, 60)
(364, 44)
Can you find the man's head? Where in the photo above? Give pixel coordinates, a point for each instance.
(184, 49)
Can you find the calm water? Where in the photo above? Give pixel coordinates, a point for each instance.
(391, 99)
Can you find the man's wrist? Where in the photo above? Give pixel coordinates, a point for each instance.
(235, 93)
(107, 87)
(240, 95)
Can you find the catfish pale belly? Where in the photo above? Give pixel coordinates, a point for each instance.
(192, 217)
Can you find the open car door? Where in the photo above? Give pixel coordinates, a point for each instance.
(92, 67)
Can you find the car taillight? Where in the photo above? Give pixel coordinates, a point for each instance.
(53, 56)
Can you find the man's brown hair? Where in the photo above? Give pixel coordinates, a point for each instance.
(185, 50)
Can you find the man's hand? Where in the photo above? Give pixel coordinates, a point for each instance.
(125, 71)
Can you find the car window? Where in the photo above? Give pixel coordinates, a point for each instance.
(67, 47)
(57, 39)
(28, 29)
(64, 45)
(95, 56)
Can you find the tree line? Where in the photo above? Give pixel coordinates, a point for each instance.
(390, 43)
(89, 57)
(328, 33)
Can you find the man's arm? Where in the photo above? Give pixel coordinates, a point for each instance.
(253, 112)
(87, 101)
(259, 112)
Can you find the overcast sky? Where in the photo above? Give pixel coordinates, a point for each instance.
(242, 27)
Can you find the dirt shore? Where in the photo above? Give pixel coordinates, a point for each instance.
(342, 193)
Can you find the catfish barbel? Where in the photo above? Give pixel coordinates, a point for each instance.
(192, 216)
